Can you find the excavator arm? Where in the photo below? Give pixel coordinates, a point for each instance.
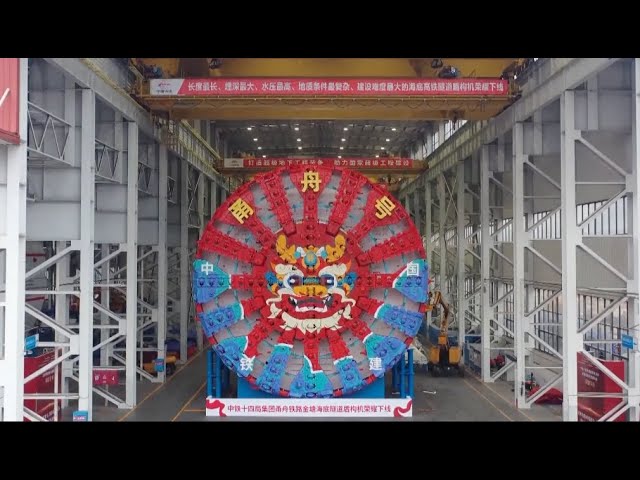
(435, 299)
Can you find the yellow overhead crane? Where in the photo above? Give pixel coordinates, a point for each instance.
(310, 107)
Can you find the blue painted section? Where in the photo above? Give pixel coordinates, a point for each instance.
(210, 372)
(245, 390)
(231, 351)
(215, 320)
(413, 282)
(159, 364)
(271, 377)
(410, 372)
(349, 375)
(350, 279)
(402, 376)
(308, 384)
(627, 341)
(209, 281)
(31, 342)
(404, 320)
(374, 390)
(388, 349)
(80, 416)
(217, 375)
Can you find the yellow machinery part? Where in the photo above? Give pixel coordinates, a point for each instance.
(454, 355)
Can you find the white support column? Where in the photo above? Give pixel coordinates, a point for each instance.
(132, 264)
(428, 233)
(570, 336)
(442, 225)
(62, 314)
(105, 300)
(462, 246)
(163, 168)
(214, 197)
(487, 243)
(592, 103)
(15, 257)
(203, 223)
(416, 212)
(62, 267)
(184, 259)
(87, 216)
(633, 378)
(519, 240)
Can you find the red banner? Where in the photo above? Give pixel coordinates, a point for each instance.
(592, 379)
(9, 100)
(41, 384)
(362, 163)
(105, 377)
(334, 87)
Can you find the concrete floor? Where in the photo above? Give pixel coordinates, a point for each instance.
(182, 399)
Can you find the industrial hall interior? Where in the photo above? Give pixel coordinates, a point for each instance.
(397, 239)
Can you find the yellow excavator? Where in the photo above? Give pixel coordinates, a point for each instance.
(443, 358)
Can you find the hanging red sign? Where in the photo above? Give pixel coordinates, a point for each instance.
(105, 377)
(592, 379)
(361, 163)
(331, 87)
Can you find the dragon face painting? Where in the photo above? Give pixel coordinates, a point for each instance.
(312, 285)
(310, 282)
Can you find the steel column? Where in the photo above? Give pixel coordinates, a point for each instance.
(62, 313)
(203, 223)
(15, 255)
(462, 246)
(105, 300)
(519, 240)
(163, 165)
(132, 264)
(416, 211)
(442, 225)
(633, 377)
(87, 229)
(571, 340)
(428, 233)
(184, 259)
(214, 198)
(487, 243)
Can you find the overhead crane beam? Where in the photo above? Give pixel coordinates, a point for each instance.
(343, 106)
(399, 109)
(327, 67)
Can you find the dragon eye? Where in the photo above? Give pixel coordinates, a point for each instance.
(294, 281)
(327, 281)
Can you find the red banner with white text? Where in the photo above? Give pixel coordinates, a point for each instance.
(592, 379)
(334, 87)
(382, 163)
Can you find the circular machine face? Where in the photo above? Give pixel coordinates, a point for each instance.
(310, 281)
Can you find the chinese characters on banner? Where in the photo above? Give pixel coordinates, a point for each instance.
(347, 87)
(364, 163)
(592, 379)
(105, 377)
(295, 407)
